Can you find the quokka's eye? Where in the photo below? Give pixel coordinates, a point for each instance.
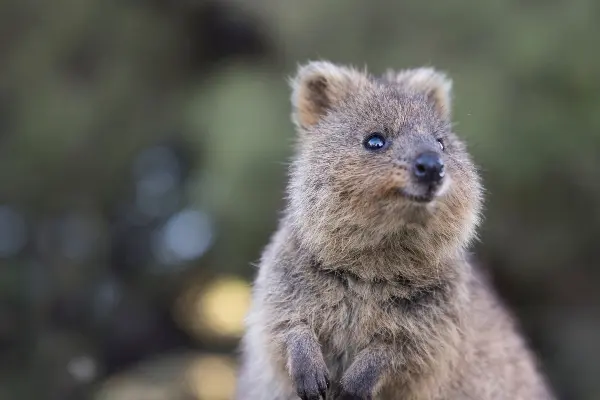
(375, 141)
(441, 144)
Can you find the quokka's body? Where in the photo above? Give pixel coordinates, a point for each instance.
(365, 290)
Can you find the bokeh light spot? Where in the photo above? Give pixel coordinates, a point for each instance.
(223, 306)
(212, 377)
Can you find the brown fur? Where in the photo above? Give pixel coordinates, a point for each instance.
(363, 287)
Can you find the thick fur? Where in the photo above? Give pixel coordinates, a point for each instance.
(364, 293)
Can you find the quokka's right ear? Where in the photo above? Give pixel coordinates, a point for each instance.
(436, 85)
(318, 87)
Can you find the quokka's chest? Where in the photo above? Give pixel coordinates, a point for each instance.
(350, 316)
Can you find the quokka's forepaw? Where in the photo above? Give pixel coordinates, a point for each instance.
(312, 384)
(307, 368)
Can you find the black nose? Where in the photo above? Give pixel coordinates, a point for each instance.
(428, 167)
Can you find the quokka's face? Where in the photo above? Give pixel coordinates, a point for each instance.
(380, 150)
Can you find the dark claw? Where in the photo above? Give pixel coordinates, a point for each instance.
(323, 389)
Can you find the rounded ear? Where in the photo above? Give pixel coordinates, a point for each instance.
(433, 83)
(319, 86)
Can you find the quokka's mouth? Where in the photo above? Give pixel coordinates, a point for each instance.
(418, 198)
(423, 194)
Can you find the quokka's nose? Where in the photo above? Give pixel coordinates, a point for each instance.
(428, 167)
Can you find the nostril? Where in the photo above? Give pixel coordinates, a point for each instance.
(421, 168)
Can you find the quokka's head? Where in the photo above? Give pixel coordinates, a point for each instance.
(377, 155)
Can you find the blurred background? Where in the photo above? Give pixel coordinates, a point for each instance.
(142, 167)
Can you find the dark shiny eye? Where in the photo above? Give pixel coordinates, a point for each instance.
(441, 143)
(374, 141)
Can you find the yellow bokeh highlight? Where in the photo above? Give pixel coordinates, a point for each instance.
(223, 306)
(212, 377)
